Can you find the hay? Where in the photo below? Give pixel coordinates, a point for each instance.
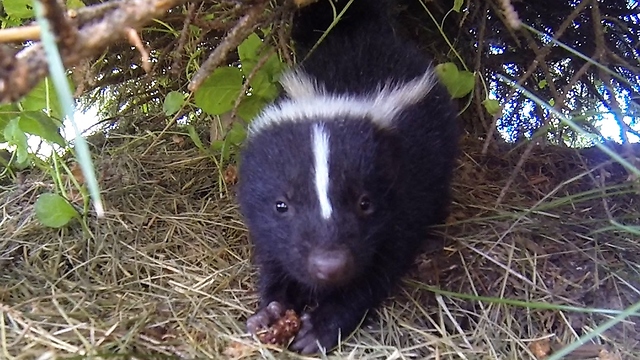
(168, 271)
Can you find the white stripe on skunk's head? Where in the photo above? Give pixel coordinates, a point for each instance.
(308, 100)
(321, 167)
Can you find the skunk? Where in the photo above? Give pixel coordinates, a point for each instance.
(341, 178)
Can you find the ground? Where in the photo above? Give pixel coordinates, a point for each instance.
(168, 270)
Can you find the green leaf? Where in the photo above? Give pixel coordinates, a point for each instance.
(39, 124)
(248, 52)
(458, 83)
(252, 50)
(75, 4)
(250, 106)
(173, 102)
(219, 91)
(492, 106)
(457, 5)
(193, 134)
(54, 211)
(262, 86)
(16, 137)
(274, 68)
(466, 82)
(542, 84)
(7, 160)
(234, 137)
(21, 9)
(217, 145)
(10, 21)
(37, 99)
(225, 151)
(236, 134)
(447, 71)
(7, 113)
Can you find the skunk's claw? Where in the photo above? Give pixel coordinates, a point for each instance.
(313, 337)
(264, 317)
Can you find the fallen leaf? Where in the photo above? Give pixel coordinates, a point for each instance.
(231, 175)
(606, 355)
(159, 333)
(178, 140)
(76, 171)
(540, 348)
(238, 350)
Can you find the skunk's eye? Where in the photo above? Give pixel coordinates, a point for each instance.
(281, 207)
(364, 205)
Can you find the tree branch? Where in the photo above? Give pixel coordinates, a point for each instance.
(76, 43)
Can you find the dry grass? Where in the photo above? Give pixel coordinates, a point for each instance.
(168, 271)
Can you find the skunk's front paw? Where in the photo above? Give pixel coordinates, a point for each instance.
(265, 317)
(313, 335)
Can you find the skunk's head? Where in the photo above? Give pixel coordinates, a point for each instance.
(317, 182)
(315, 195)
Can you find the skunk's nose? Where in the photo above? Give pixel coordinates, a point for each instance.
(333, 266)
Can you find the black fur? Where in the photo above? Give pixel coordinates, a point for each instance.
(405, 170)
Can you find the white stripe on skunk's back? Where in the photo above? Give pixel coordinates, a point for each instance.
(320, 141)
(308, 101)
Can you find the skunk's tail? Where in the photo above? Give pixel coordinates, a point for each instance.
(312, 21)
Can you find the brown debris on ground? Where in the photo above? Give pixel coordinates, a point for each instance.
(168, 270)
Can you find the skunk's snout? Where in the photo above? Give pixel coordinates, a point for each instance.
(331, 267)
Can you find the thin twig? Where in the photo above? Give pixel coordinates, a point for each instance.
(177, 53)
(243, 28)
(30, 65)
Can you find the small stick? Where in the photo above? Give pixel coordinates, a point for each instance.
(243, 28)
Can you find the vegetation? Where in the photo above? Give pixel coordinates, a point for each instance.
(140, 250)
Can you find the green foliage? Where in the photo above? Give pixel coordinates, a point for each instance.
(75, 4)
(264, 86)
(53, 210)
(218, 93)
(492, 106)
(19, 9)
(16, 137)
(457, 5)
(542, 84)
(458, 83)
(7, 113)
(40, 124)
(251, 51)
(43, 97)
(36, 114)
(39, 114)
(23, 9)
(250, 107)
(193, 134)
(261, 67)
(235, 137)
(173, 102)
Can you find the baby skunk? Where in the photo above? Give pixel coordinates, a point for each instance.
(341, 178)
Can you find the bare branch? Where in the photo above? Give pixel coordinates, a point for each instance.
(30, 65)
(177, 54)
(23, 33)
